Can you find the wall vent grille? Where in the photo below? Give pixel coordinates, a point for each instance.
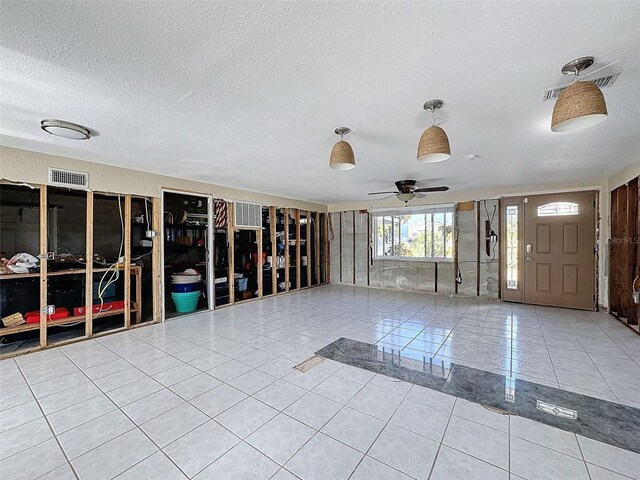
(68, 179)
(600, 82)
(247, 215)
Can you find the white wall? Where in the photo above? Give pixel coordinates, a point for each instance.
(31, 167)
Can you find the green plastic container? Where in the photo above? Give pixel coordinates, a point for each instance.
(186, 302)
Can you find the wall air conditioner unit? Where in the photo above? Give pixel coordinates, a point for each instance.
(247, 215)
(68, 179)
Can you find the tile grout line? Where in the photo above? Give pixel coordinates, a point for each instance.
(64, 453)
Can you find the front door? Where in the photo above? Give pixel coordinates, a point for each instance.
(556, 250)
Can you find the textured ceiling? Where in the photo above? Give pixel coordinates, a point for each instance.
(247, 94)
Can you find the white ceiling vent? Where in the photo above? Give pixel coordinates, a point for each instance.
(68, 179)
(600, 82)
(247, 215)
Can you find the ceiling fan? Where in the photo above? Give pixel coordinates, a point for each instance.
(407, 191)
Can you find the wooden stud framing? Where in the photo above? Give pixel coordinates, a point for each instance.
(287, 261)
(298, 248)
(43, 265)
(274, 249)
(308, 248)
(156, 260)
(259, 266)
(231, 280)
(88, 292)
(317, 252)
(327, 251)
(127, 260)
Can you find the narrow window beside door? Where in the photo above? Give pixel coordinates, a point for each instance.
(512, 247)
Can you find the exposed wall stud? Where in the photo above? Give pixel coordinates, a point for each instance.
(43, 265)
(156, 260)
(88, 292)
(308, 248)
(287, 261)
(298, 248)
(231, 236)
(127, 260)
(259, 266)
(274, 250)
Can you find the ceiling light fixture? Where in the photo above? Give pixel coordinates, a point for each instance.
(342, 157)
(60, 128)
(434, 144)
(581, 104)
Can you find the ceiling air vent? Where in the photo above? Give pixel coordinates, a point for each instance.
(68, 179)
(247, 215)
(600, 82)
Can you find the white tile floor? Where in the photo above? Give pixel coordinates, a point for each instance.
(214, 395)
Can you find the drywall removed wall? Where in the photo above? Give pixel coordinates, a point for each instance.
(352, 263)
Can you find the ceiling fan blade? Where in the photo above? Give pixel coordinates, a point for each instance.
(388, 196)
(431, 189)
(381, 193)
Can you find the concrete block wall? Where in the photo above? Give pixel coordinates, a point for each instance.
(352, 235)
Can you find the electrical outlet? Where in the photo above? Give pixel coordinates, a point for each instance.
(49, 309)
(150, 234)
(636, 297)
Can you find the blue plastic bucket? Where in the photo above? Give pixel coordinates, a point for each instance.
(185, 287)
(186, 302)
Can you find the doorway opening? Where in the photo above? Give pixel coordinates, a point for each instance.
(186, 236)
(549, 250)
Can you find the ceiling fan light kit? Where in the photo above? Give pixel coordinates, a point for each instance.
(581, 104)
(434, 143)
(342, 157)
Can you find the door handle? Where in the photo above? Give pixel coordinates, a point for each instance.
(529, 248)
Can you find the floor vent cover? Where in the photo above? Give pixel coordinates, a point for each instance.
(600, 82)
(68, 179)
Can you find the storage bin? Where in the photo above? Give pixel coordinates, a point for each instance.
(241, 284)
(186, 302)
(185, 287)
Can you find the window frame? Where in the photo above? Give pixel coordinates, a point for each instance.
(393, 219)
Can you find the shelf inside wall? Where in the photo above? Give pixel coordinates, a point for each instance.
(185, 239)
(221, 252)
(281, 250)
(245, 264)
(67, 237)
(267, 253)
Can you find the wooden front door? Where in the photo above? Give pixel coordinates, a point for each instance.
(549, 250)
(558, 250)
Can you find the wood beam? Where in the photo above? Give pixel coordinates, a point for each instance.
(43, 265)
(308, 248)
(88, 292)
(274, 249)
(231, 280)
(127, 260)
(259, 265)
(317, 249)
(297, 216)
(287, 262)
(156, 261)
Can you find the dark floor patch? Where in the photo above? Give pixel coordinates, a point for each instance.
(608, 422)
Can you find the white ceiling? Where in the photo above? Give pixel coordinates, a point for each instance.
(248, 94)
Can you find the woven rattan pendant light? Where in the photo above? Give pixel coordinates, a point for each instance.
(342, 157)
(581, 104)
(434, 143)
